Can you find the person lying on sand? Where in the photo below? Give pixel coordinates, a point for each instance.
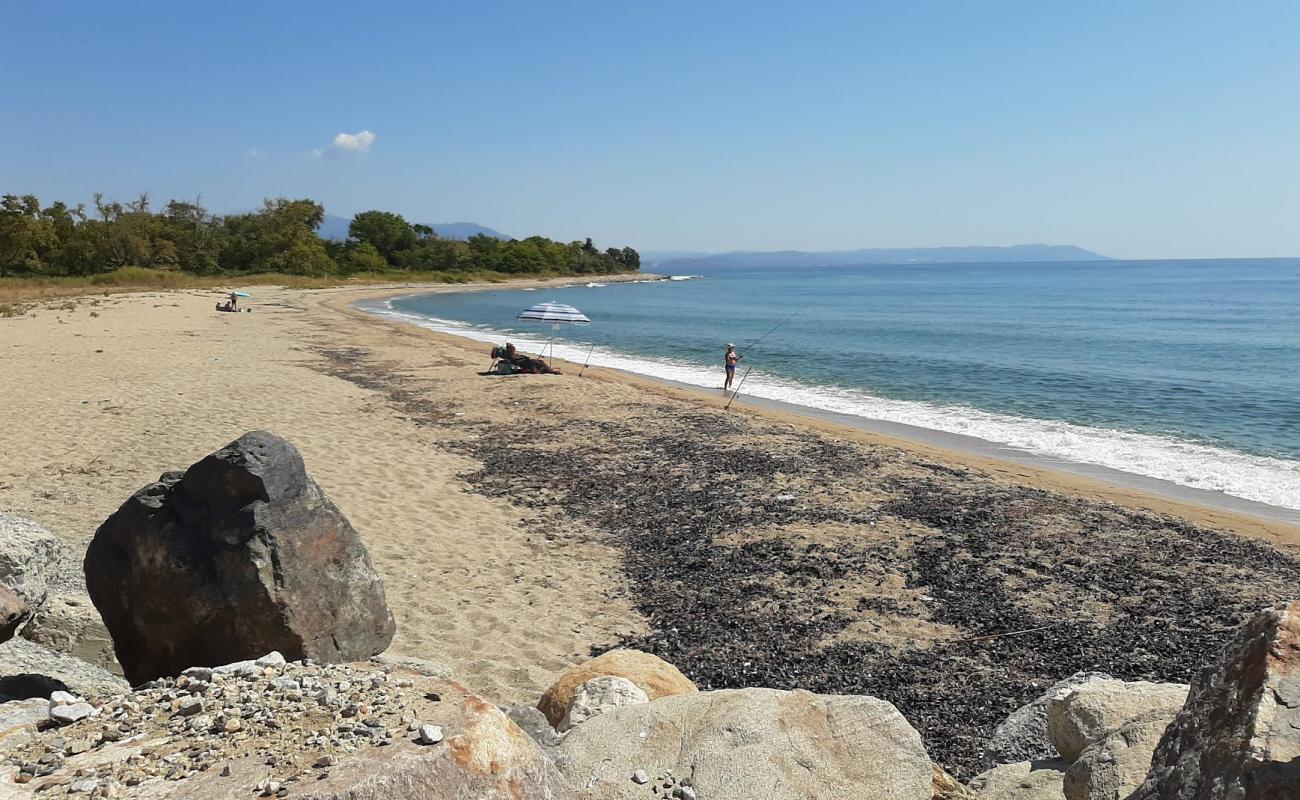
(522, 363)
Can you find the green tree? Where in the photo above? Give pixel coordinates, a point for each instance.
(279, 238)
(362, 257)
(26, 238)
(387, 232)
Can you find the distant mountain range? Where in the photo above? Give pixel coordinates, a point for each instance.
(901, 255)
(650, 258)
(337, 228)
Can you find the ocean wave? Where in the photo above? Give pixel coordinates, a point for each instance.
(684, 277)
(1267, 480)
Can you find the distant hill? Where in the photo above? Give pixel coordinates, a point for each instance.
(650, 258)
(337, 228)
(903, 255)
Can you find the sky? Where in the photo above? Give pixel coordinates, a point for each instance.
(1148, 129)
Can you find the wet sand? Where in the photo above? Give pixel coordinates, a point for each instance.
(521, 522)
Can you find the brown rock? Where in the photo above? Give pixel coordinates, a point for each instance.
(946, 787)
(656, 677)
(1238, 736)
(241, 555)
(13, 613)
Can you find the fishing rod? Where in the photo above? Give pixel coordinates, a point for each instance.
(751, 346)
(733, 394)
(588, 361)
(775, 327)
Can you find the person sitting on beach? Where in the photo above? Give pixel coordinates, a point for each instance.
(731, 358)
(522, 363)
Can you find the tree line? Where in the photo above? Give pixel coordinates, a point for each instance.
(280, 237)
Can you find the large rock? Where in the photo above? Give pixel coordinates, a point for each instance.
(13, 612)
(750, 743)
(46, 574)
(240, 555)
(30, 670)
(29, 558)
(1025, 780)
(1084, 714)
(70, 624)
(599, 695)
(1113, 766)
(1022, 736)
(656, 677)
(1238, 736)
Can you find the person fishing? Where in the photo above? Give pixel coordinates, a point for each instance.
(731, 358)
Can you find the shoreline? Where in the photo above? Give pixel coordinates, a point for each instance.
(1125, 488)
(521, 525)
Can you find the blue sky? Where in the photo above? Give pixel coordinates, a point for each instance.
(1138, 129)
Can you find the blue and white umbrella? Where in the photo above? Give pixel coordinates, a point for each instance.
(556, 314)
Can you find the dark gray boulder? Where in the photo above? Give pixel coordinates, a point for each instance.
(240, 555)
(1022, 736)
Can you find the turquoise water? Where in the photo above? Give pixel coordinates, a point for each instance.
(1183, 370)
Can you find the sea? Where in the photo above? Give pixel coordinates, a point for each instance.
(1184, 372)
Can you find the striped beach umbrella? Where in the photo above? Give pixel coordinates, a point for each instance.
(556, 314)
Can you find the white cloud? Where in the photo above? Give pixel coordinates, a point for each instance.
(358, 142)
(354, 141)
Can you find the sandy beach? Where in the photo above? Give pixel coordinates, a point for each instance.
(520, 522)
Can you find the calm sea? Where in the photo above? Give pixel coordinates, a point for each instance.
(1187, 371)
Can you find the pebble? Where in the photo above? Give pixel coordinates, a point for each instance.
(199, 673)
(190, 706)
(71, 713)
(640, 776)
(62, 698)
(429, 734)
(271, 659)
(84, 785)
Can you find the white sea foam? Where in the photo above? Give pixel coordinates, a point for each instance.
(684, 277)
(1272, 481)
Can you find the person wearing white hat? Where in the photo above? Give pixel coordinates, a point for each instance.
(731, 358)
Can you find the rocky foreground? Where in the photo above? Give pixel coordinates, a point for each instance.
(631, 726)
(245, 610)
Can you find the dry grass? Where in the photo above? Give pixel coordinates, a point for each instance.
(17, 292)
